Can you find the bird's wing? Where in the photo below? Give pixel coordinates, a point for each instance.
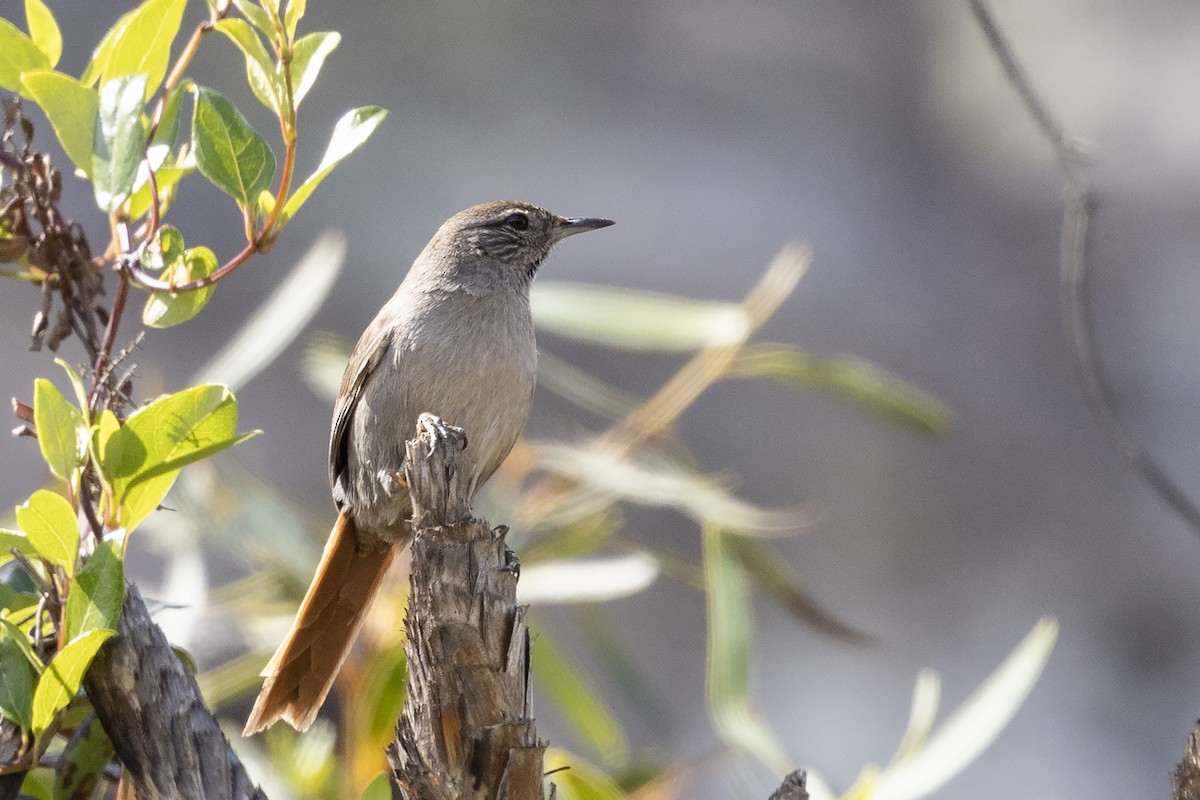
(368, 353)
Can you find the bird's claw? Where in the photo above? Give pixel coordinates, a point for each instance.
(440, 432)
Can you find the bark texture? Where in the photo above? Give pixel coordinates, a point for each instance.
(466, 730)
(792, 788)
(151, 708)
(1187, 773)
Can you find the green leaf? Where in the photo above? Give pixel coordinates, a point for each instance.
(71, 108)
(18, 53)
(632, 320)
(165, 309)
(578, 702)
(293, 15)
(308, 55)
(730, 627)
(165, 180)
(14, 540)
(81, 396)
(974, 725)
(43, 29)
(96, 594)
(229, 152)
(257, 17)
(167, 131)
(138, 44)
(867, 385)
(383, 691)
(52, 527)
(63, 676)
(162, 250)
(62, 432)
(144, 456)
(16, 689)
(260, 67)
(576, 779)
(351, 131)
(381, 787)
(120, 140)
(83, 761)
(22, 643)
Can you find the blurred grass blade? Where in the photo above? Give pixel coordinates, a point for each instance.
(730, 627)
(975, 724)
(577, 701)
(867, 385)
(926, 696)
(587, 580)
(771, 574)
(576, 779)
(633, 320)
(584, 390)
(323, 362)
(612, 653)
(663, 483)
(277, 322)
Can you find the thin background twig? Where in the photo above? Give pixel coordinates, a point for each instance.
(1079, 205)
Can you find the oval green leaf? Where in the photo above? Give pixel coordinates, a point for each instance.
(52, 528)
(166, 309)
(308, 55)
(120, 140)
(264, 81)
(62, 432)
(63, 676)
(138, 44)
(633, 320)
(71, 108)
(16, 690)
(96, 594)
(43, 29)
(18, 53)
(229, 152)
(351, 131)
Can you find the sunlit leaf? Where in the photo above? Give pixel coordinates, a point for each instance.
(16, 689)
(256, 15)
(63, 676)
(120, 140)
(81, 396)
(18, 53)
(52, 528)
(167, 309)
(921, 716)
(308, 56)
(577, 701)
(867, 385)
(381, 787)
(43, 29)
(229, 152)
(165, 181)
(576, 779)
(71, 108)
(22, 643)
(293, 15)
(634, 320)
(661, 483)
(95, 599)
(351, 131)
(144, 456)
(62, 432)
(975, 724)
(83, 761)
(383, 692)
(277, 322)
(138, 44)
(14, 540)
(730, 628)
(260, 67)
(167, 131)
(587, 580)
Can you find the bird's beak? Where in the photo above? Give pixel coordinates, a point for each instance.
(572, 225)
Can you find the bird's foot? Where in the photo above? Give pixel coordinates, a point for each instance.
(440, 432)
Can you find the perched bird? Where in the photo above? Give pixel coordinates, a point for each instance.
(455, 340)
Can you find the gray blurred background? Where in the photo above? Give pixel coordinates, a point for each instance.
(882, 134)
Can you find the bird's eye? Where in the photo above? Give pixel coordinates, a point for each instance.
(518, 221)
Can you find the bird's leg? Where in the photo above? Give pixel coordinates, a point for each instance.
(392, 481)
(440, 432)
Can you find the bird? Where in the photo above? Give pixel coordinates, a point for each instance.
(456, 340)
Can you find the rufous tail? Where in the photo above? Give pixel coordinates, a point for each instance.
(302, 670)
